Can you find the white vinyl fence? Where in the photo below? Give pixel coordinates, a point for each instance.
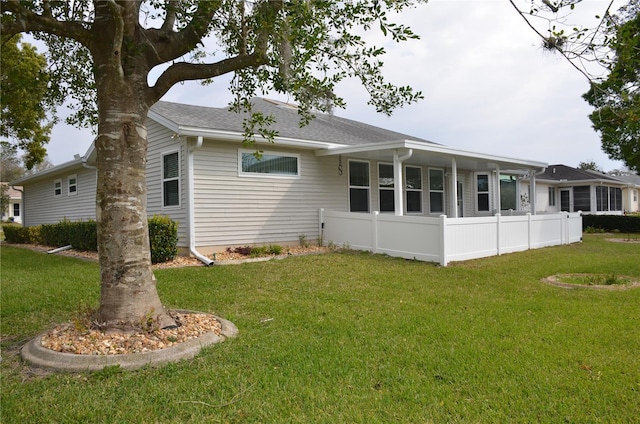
(443, 239)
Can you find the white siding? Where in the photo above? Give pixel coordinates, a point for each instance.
(161, 142)
(40, 206)
(233, 210)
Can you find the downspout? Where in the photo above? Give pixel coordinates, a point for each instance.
(397, 177)
(192, 231)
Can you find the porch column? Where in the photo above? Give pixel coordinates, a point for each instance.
(454, 189)
(532, 195)
(398, 181)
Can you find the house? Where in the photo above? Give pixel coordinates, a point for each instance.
(630, 202)
(14, 208)
(312, 181)
(563, 188)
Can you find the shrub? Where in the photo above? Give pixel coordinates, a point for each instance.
(82, 235)
(16, 234)
(612, 223)
(163, 238)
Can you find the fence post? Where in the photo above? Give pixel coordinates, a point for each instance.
(444, 233)
(498, 224)
(374, 231)
(529, 230)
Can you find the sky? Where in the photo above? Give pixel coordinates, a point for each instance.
(488, 87)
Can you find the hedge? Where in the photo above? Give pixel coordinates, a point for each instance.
(82, 235)
(612, 223)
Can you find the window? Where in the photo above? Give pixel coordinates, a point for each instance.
(436, 190)
(72, 185)
(635, 195)
(552, 196)
(16, 209)
(508, 192)
(268, 164)
(482, 192)
(582, 199)
(385, 185)
(171, 179)
(413, 181)
(358, 186)
(57, 187)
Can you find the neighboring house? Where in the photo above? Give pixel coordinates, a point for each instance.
(13, 211)
(200, 174)
(630, 192)
(563, 188)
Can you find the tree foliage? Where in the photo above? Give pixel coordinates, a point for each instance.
(617, 100)
(607, 54)
(25, 103)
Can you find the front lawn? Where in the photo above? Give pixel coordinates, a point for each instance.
(350, 338)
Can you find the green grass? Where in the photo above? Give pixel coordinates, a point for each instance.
(351, 337)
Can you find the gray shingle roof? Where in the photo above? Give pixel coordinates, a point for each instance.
(324, 127)
(564, 172)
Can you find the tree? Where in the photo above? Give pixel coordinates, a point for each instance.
(608, 55)
(299, 47)
(25, 98)
(617, 99)
(589, 166)
(10, 168)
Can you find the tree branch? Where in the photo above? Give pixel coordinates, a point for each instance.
(26, 20)
(170, 19)
(183, 71)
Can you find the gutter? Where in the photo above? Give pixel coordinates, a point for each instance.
(192, 230)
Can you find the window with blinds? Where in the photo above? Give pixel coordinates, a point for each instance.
(171, 179)
(269, 164)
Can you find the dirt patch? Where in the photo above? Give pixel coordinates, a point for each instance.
(219, 258)
(623, 240)
(561, 280)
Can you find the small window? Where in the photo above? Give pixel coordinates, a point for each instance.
(358, 186)
(171, 179)
(385, 184)
(552, 196)
(72, 185)
(269, 164)
(413, 187)
(57, 187)
(635, 195)
(16, 209)
(436, 190)
(482, 191)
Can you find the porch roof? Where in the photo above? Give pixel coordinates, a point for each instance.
(433, 155)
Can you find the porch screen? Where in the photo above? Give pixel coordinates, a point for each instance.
(413, 189)
(508, 193)
(436, 191)
(385, 185)
(358, 186)
(582, 198)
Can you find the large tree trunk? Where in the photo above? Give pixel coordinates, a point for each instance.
(129, 299)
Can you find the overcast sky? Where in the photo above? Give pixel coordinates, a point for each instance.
(488, 87)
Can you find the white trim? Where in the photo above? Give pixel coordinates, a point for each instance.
(242, 173)
(178, 178)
